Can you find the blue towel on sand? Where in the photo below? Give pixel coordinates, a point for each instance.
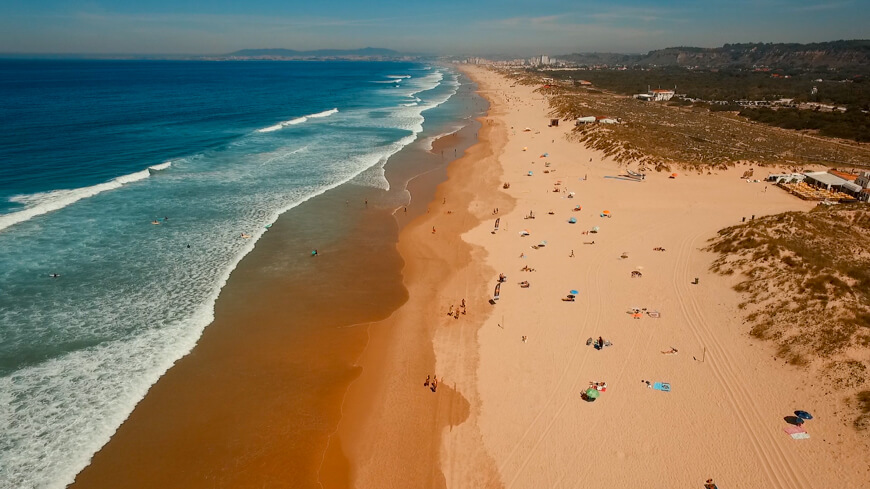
(662, 386)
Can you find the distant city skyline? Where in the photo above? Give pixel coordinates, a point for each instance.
(484, 27)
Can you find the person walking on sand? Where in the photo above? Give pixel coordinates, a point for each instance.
(434, 383)
(433, 229)
(426, 384)
(571, 255)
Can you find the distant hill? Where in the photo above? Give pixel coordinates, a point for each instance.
(853, 54)
(319, 53)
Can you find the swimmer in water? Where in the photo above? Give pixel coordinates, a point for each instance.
(155, 221)
(54, 275)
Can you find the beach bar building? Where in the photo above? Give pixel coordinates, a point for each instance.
(824, 180)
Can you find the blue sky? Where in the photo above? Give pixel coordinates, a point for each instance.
(441, 27)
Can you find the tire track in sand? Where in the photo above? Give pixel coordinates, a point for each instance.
(779, 471)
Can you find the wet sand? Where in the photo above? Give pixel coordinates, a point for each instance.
(392, 425)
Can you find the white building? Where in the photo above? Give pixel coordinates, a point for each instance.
(545, 60)
(659, 94)
(863, 179)
(825, 180)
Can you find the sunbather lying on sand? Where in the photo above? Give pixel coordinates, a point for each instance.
(672, 351)
(524, 284)
(527, 269)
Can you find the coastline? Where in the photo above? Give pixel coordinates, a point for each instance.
(507, 413)
(391, 424)
(256, 398)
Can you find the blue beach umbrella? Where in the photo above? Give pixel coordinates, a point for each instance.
(574, 292)
(803, 415)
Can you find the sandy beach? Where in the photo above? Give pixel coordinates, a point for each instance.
(508, 410)
(353, 404)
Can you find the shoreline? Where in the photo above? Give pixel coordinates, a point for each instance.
(400, 347)
(222, 410)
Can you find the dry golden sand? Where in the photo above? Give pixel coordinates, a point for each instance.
(509, 413)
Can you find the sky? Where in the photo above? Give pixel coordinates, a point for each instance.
(476, 27)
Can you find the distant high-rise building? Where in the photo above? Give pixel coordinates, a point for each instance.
(545, 60)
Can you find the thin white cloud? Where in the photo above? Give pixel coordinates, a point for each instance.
(223, 19)
(822, 6)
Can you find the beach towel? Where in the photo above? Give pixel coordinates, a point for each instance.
(662, 386)
(796, 432)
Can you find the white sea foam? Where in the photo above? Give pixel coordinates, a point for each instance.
(298, 120)
(44, 202)
(325, 113)
(398, 76)
(427, 143)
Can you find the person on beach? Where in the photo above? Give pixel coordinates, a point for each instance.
(434, 383)
(524, 338)
(367, 203)
(314, 252)
(501, 277)
(710, 484)
(672, 351)
(450, 312)
(426, 384)
(648, 384)
(433, 229)
(571, 255)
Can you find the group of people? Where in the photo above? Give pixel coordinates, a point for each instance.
(459, 310)
(431, 384)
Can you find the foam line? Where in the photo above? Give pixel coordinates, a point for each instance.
(44, 202)
(298, 120)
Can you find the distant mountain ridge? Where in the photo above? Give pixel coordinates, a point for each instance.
(318, 53)
(833, 54)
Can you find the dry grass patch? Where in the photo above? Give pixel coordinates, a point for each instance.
(663, 137)
(806, 285)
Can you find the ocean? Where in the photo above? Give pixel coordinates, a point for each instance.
(141, 185)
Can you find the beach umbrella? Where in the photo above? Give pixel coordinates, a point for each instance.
(574, 292)
(592, 393)
(595, 229)
(525, 148)
(606, 213)
(803, 415)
